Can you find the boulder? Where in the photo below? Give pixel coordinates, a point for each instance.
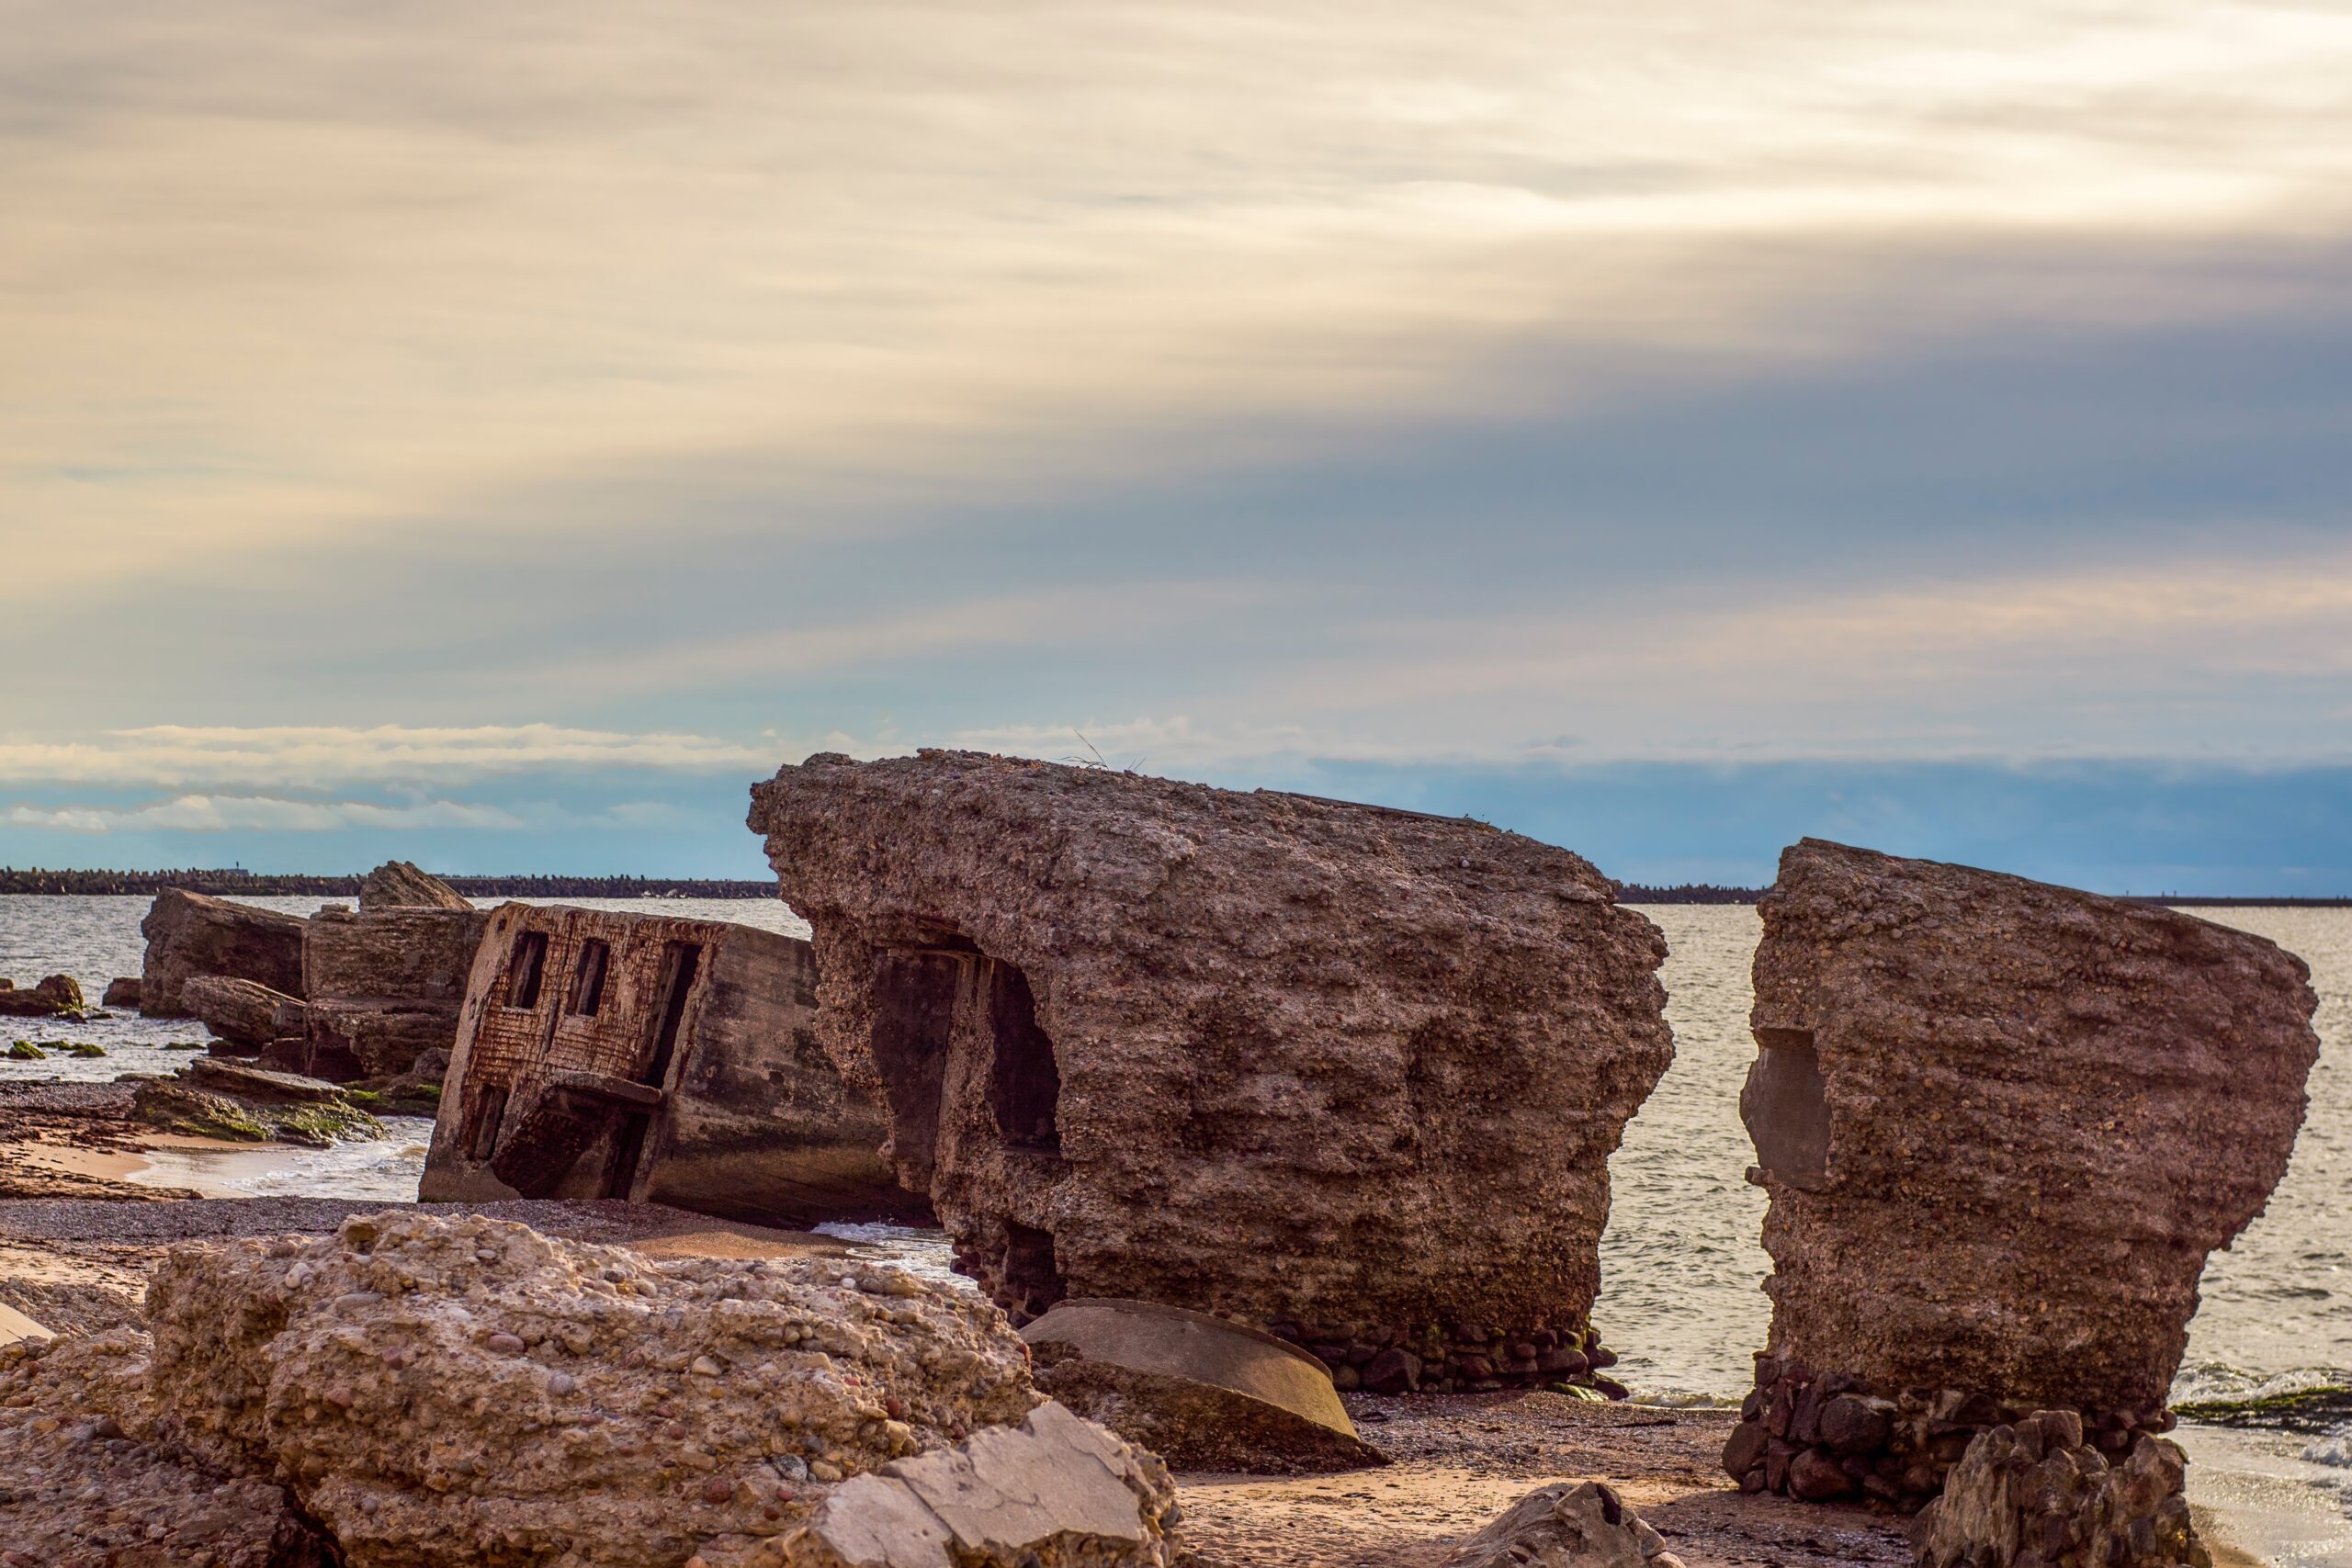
(58, 996)
(2036, 1494)
(1201, 1393)
(1569, 1524)
(399, 885)
(1295, 1063)
(2002, 1124)
(190, 934)
(1055, 1491)
(242, 1012)
(465, 1393)
(121, 992)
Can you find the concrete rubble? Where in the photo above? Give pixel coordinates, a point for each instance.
(190, 934)
(2036, 1494)
(386, 985)
(212, 1097)
(1571, 1524)
(243, 1013)
(2002, 1125)
(1349, 1074)
(608, 1055)
(1201, 1393)
(1054, 1491)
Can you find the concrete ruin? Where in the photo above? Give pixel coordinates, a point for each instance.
(2002, 1124)
(661, 1060)
(385, 985)
(190, 934)
(1350, 1074)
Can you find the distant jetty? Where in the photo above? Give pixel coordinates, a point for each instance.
(254, 885)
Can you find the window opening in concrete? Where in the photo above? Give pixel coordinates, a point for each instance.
(628, 1145)
(523, 968)
(914, 1015)
(1032, 1281)
(680, 961)
(1024, 1083)
(489, 1108)
(1785, 1104)
(588, 978)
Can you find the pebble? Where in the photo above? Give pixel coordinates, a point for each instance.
(562, 1383)
(718, 1489)
(821, 1471)
(704, 1367)
(355, 1300)
(505, 1344)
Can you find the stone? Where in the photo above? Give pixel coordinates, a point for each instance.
(1055, 1491)
(357, 1366)
(213, 1098)
(1855, 1424)
(1569, 1524)
(243, 1012)
(1261, 1056)
(399, 885)
(604, 1054)
(2003, 1124)
(1201, 1393)
(1743, 1450)
(2033, 1492)
(57, 995)
(190, 934)
(1817, 1478)
(1393, 1371)
(122, 991)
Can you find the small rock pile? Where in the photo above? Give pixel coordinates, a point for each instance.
(1826, 1436)
(1570, 1524)
(2036, 1494)
(1458, 1358)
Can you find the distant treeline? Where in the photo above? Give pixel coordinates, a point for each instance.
(252, 884)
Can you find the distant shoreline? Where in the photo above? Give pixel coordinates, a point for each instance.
(253, 884)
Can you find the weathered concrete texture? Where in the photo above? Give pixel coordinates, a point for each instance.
(465, 1393)
(190, 934)
(399, 885)
(607, 1054)
(1201, 1393)
(1350, 1070)
(57, 995)
(79, 1486)
(387, 984)
(2036, 1495)
(1570, 1524)
(2002, 1124)
(1055, 1491)
(242, 1012)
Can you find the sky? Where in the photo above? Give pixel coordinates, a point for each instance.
(497, 436)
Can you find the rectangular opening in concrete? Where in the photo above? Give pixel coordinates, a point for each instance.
(484, 1114)
(680, 961)
(525, 967)
(1025, 1081)
(1033, 1281)
(588, 978)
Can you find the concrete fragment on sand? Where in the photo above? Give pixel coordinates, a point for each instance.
(1569, 1524)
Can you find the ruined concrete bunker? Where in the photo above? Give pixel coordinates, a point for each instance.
(604, 1054)
(1347, 1073)
(2002, 1125)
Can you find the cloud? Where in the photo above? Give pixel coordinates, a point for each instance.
(304, 757)
(222, 814)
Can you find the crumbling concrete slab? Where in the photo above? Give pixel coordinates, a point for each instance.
(242, 1012)
(1347, 1073)
(190, 934)
(2002, 1124)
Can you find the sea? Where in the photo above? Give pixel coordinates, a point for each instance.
(1681, 1263)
